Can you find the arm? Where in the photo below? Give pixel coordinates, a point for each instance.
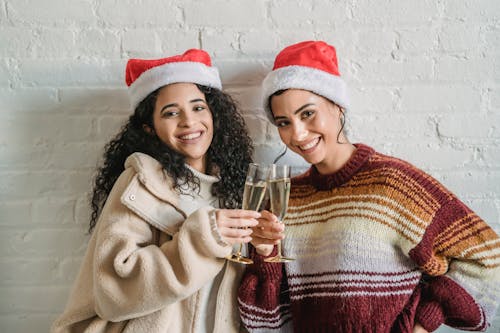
(133, 276)
(459, 256)
(263, 296)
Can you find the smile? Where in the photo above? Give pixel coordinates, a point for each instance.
(190, 136)
(309, 145)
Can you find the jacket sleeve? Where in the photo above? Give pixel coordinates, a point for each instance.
(134, 277)
(460, 256)
(263, 297)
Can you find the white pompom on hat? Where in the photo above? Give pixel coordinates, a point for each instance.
(309, 65)
(145, 76)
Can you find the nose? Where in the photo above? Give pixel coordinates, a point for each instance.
(187, 119)
(299, 132)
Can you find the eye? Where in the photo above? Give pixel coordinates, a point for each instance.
(281, 123)
(306, 114)
(170, 114)
(199, 108)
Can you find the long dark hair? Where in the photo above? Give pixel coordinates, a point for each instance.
(229, 153)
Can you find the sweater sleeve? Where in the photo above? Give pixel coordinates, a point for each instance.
(134, 277)
(263, 297)
(459, 254)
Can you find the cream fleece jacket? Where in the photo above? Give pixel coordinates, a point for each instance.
(147, 261)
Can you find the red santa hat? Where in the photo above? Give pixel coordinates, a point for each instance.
(145, 76)
(309, 65)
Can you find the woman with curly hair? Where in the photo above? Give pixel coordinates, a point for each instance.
(164, 211)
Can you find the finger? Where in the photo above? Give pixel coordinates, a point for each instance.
(240, 213)
(268, 235)
(274, 227)
(235, 233)
(240, 240)
(238, 223)
(267, 215)
(256, 241)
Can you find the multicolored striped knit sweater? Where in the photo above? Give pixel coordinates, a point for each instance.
(379, 245)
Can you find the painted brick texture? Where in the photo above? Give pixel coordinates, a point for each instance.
(424, 79)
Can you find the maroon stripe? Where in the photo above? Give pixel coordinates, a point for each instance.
(346, 289)
(344, 272)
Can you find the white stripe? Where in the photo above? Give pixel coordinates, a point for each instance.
(404, 228)
(411, 230)
(484, 245)
(353, 276)
(257, 309)
(273, 324)
(490, 261)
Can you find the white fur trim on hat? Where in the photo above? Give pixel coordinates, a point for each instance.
(317, 81)
(159, 76)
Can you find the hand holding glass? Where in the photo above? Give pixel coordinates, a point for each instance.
(279, 191)
(255, 188)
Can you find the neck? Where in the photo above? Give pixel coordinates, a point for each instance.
(199, 165)
(338, 158)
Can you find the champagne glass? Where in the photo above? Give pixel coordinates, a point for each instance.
(279, 191)
(255, 188)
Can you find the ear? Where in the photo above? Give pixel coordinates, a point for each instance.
(148, 129)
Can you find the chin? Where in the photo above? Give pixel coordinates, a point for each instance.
(311, 159)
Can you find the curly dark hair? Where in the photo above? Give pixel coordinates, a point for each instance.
(229, 153)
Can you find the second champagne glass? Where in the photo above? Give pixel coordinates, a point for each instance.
(279, 192)
(255, 188)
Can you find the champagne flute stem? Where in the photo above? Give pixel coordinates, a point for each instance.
(279, 250)
(239, 250)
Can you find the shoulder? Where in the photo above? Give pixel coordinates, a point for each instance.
(403, 176)
(149, 171)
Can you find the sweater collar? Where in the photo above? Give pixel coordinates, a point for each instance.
(343, 175)
(204, 178)
(206, 183)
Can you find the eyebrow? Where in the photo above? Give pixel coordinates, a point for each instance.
(196, 100)
(296, 111)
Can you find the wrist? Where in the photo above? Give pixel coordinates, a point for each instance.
(264, 250)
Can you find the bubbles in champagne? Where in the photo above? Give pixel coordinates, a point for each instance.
(253, 195)
(279, 192)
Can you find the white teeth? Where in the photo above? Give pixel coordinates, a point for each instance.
(190, 136)
(310, 144)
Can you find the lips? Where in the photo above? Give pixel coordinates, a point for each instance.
(309, 146)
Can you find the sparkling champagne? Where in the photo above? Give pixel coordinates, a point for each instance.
(253, 195)
(279, 191)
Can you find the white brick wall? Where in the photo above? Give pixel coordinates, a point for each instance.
(424, 78)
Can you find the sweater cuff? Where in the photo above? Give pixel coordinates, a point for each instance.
(267, 270)
(215, 229)
(430, 316)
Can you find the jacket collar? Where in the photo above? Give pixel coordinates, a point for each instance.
(151, 194)
(151, 174)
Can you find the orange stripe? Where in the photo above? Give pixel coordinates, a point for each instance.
(330, 200)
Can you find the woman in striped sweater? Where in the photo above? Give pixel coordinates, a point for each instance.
(380, 246)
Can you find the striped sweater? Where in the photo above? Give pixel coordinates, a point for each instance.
(379, 245)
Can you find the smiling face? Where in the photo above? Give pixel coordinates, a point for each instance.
(183, 121)
(309, 124)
